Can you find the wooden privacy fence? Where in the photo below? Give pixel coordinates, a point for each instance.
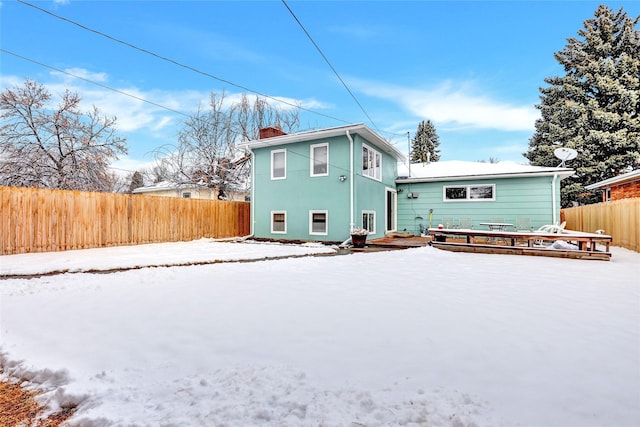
(620, 219)
(41, 220)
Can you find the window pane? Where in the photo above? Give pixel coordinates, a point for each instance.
(365, 161)
(318, 222)
(368, 221)
(378, 173)
(279, 165)
(481, 192)
(279, 222)
(456, 193)
(320, 160)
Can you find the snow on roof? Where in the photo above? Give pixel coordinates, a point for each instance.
(165, 185)
(458, 169)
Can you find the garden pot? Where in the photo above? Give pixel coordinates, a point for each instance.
(358, 240)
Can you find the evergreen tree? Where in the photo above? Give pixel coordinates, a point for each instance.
(595, 107)
(137, 181)
(424, 146)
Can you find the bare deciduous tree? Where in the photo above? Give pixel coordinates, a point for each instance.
(59, 146)
(207, 153)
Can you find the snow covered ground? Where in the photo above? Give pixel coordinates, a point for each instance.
(412, 337)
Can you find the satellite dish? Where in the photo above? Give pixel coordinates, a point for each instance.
(565, 154)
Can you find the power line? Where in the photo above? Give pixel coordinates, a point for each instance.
(188, 67)
(93, 82)
(179, 64)
(329, 64)
(120, 92)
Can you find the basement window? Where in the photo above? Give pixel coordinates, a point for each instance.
(369, 221)
(318, 222)
(279, 222)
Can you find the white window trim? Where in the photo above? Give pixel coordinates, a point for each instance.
(377, 170)
(374, 220)
(312, 158)
(326, 216)
(468, 187)
(273, 153)
(285, 222)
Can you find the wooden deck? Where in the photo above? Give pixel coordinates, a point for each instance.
(518, 243)
(397, 242)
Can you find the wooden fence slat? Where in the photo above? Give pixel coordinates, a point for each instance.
(620, 219)
(37, 220)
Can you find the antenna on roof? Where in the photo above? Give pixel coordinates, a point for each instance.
(565, 154)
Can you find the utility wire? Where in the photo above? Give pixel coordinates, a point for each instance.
(329, 64)
(206, 74)
(179, 64)
(92, 82)
(126, 94)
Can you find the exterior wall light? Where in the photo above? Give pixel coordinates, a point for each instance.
(342, 178)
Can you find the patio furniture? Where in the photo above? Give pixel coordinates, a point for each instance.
(550, 228)
(466, 223)
(523, 224)
(447, 222)
(497, 224)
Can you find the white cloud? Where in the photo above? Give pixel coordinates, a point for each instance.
(162, 111)
(455, 104)
(128, 103)
(353, 30)
(126, 165)
(81, 73)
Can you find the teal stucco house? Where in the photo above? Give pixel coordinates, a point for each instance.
(318, 185)
(466, 194)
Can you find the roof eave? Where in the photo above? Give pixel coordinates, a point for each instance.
(564, 173)
(360, 128)
(616, 180)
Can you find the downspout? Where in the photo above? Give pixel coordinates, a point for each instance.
(553, 198)
(351, 183)
(253, 196)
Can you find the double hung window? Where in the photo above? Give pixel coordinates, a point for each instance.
(319, 222)
(279, 164)
(279, 222)
(319, 159)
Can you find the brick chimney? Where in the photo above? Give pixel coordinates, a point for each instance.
(270, 132)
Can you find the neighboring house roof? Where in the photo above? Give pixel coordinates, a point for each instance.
(311, 135)
(166, 185)
(616, 180)
(456, 170)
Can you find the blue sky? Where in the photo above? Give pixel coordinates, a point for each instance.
(472, 67)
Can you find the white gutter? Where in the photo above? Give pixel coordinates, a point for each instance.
(253, 194)
(407, 180)
(553, 198)
(351, 183)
